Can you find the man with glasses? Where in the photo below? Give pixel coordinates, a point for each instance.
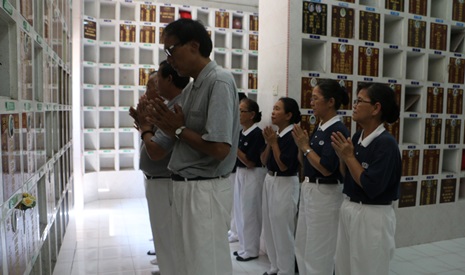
(154, 157)
(206, 129)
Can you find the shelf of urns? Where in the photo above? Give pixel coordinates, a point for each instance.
(120, 32)
(29, 170)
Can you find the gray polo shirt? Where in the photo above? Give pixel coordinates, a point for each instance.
(158, 168)
(211, 108)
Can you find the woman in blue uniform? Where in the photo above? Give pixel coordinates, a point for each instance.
(248, 188)
(321, 193)
(372, 166)
(281, 187)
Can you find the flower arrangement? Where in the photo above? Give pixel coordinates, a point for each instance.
(27, 201)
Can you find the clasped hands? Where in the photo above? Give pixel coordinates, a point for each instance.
(150, 112)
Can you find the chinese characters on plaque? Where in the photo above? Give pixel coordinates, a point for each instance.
(314, 18)
(410, 162)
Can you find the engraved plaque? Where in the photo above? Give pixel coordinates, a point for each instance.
(166, 14)
(433, 130)
(397, 5)
(438, 37)
(408, 194)
(127, 33)
(161, 40)
(253, 23)
(348, 85)
(428, 192)
(343, 20)
(410, 162)
(148, 13)
(434, 100)
(144, 75)
(342, 58)
(458, 10)
(90, 29)
(454, 101)
(252, 81)
(456, 70)
(368, 61)
(369, 26)
(452, 134)
(253, 42)
(394, 129)
(309, 123)
(448, 190)
(11, 165)
(397, 88)
(431, 161)
(222, 19)
(347, 121)
(147, 34)
(306, 92)
(416, 33)
(418, 7)
(314, 18)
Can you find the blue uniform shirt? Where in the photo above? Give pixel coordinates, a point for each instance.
(320, 142)
(252, 143)
(289, 151)
(383, 168)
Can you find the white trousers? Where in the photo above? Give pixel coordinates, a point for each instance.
(159, 196)
(315, 240)
(233, 228)
(201, 216)
(280, 196)
(248, 209)
(365, 243)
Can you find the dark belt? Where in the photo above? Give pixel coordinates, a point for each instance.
(278, 174)
(370, 203)
(323, 180)
(147, 177)
(176, 177)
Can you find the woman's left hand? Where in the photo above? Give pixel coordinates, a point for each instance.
(300, 137)
(342, 145)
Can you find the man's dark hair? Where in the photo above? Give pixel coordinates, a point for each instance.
(186, 30)
(166, 70)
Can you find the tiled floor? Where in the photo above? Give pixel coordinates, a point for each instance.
(112, 237)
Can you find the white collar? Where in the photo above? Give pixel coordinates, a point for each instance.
(328, 123)
(367, 140)
(286, 130)
(251, 128)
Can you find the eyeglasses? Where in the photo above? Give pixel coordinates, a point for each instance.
(359, 100)
(169, 50)
(243, 111)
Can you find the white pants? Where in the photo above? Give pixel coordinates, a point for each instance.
(159, 196)
(201, 216)
(365, 241)
(280, 196)
(233, 228)
(248, 209)
(315, 240)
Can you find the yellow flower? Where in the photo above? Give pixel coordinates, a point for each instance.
(28, 201)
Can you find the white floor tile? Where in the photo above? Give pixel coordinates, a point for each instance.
(111, 237)
(115, 265)
(407, 268)
(453, 260)
(451, 246)
(409, 254)
(432, 265)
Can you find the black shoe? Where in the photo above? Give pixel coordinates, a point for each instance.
(240, 259)
(266, 273)
(235, 253)
(151, 253)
